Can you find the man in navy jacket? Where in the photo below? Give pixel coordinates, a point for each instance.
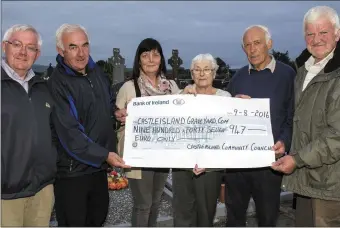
(263, 77)
(84, 106)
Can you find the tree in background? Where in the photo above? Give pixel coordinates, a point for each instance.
(223, 69)
(101, 63)
(184, 73)
(283, 57)
(107, 68)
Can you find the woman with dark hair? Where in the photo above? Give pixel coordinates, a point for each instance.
(148, 79)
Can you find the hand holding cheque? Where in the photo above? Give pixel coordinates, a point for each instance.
(182, 131)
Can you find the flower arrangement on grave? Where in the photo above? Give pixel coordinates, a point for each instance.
(116, 181)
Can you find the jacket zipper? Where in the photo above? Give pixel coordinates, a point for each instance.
(89, 81)
(91, 85)
(29, 93)
(71, 164)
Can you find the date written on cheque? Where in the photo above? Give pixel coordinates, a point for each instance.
(257, 113)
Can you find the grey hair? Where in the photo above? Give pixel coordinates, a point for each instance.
(67, 28)
(22, 28)
(203, 57)
(265, 29)
(317, 12)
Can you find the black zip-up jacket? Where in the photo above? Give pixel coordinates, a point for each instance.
(28, 154)
(82, 119)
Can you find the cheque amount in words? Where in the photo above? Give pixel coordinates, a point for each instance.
(180, 120)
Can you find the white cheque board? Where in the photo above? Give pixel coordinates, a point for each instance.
(179, 131)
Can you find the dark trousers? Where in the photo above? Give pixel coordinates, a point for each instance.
(316, 212)
(264, 185)
(83, 200)
(195, 197)
(146, 195)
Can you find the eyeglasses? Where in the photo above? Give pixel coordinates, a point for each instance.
(205, 71)
(17, 45)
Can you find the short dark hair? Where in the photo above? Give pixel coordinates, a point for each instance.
(148, 44)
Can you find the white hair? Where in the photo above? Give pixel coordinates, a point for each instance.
(67, 28)
(21, 28)
(205, 57)
(317, 12)
(265, 29)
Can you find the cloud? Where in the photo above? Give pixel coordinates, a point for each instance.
(192, 27)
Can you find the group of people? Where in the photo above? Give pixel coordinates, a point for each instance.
(57, 137)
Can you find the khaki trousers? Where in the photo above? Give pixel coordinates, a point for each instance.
(30, 211)
(317, 212)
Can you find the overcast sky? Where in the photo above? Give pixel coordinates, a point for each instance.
(191, 27)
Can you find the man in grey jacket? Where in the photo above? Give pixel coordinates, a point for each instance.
(313, 166)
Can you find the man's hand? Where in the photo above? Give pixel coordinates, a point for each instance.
(114, 160)
(242, 96)
(279, 149)
(190, 89)
(197, 171)
(285, 164)
(121, 115)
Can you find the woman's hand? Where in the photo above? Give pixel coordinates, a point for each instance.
(121, 115)
(190, 89)
(197, 171)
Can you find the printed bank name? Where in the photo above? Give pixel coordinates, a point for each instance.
(140, 103)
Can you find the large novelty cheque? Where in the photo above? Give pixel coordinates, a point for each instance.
(179, 131)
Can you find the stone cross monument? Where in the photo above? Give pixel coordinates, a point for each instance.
(175, 62)
(118, 64)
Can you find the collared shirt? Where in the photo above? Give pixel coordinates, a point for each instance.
(270, 66)
(315, 68)
(12, 74)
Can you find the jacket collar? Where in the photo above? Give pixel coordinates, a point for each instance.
(271, 65)
(332, 65)
(89, 67)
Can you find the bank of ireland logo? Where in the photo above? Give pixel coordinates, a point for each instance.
(178, 101)
(134, 144)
